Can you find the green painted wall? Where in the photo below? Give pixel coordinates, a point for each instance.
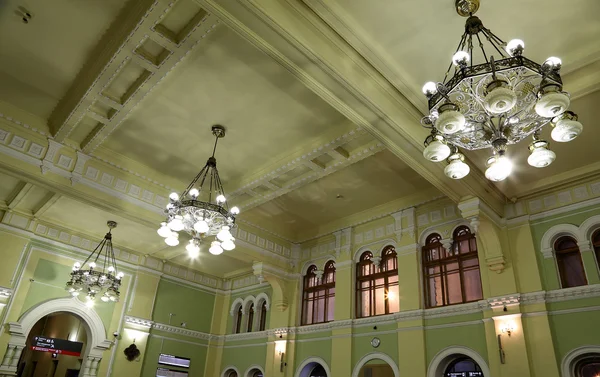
(574, 330)
(192, 306)
(471, 336)
(170, 345)
(244, 357)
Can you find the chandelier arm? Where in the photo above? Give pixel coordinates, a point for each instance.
(221, 188)
(212, 175)
(491, 36)
(482, 49)
(470, 47)
(100, 251)
(93, 252)
(458, 48)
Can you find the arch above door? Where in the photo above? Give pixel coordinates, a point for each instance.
(309, 364)
(375, 356)
(447, 355)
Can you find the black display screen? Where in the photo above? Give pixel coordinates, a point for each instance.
(57, 346)
(464, 374)
(163, 372)
(175, 361)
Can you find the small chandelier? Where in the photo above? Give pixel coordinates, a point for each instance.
(201, 210)
(97, 275)
(495, 103)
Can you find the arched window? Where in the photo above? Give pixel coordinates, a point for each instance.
(237, 328)
(464, 366)
(250, 318)
(451, 276)
(231, 373)
(596, 246)
(319, 295)
(377, 284)
(256, 373)
(318, 371)
(588, 366)
(263, 317)
(570, 265)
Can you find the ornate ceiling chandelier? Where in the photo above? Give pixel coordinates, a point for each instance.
(97, 275)
(494, 103)
(201, 210)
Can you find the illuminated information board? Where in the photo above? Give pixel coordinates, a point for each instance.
(57, 346)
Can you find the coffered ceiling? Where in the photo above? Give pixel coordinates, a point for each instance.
(321, 100)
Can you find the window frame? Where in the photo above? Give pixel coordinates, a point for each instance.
(375, 273)
(452, 256)
(558, 257)
(595, 241)
(250, 320)
(237, 324)
(262, 323)
(325, 285)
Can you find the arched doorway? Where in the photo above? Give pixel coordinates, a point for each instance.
(96, 341)
(313, 367)
(54, 347)
(231, 372)
(458, 361)
(582, 362)
(254, 371)
(376, 365)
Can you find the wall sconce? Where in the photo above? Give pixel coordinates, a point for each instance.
(280, 349)
(507, 328)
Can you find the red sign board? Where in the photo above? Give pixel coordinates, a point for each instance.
(57, 346)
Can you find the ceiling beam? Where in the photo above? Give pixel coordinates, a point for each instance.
(132, 58)
(48, 201)
(19, 194)
(296, 37)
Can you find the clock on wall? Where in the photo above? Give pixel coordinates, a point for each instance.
(375, 342)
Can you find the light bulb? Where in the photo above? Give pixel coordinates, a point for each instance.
(540, 156)
(456, 168)
(174, 196)
(76, 266)
(176, 223)
(224, 234)
(228, 245)
(75, 293)
(221, 199)
(104, 298)
(436, 150)
(553, 62)
(92, 265)
(170, 206)
(567, 128)
(235, 211)
(193, 249)
(172, 240)
(515, 47)
(120, 275)
(430, 88)
(111, 269)
(164, 230)
(201, 226)
(499, 168)
(461, 58)
(90, 302)
(215, 248)
(194, 193)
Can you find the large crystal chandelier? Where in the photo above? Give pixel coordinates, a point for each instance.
(201, 210)
(97, 275)
(494, 103)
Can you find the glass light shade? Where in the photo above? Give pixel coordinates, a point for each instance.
(224, 234)
(228, 245)
(104, 298)
(515, 46)
(460, 58)
(457, 169)
(215, 248)
(500, 100)
(499, 168)
(77, 266)
(172, 240)
(176, 224)
(553, 62)
(566, 130)
(541, 157)
(201, 226)
(164, 231)
(111, 269)
(92, 265)
(193, 249)
(174, 196)
(450, 122)
(193, 193)
(75, 293)
(221, 199)
(436, 151)
(120, 275)
(430, 88)
(235, 211)
(552, 104)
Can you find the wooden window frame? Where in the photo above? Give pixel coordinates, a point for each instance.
(375, 273)
(238, 321)
(558, 254)
(263, 317)
(324, 285)
(434, 242)
(250, 323)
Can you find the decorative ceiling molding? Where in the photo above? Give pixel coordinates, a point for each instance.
(127, 57)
